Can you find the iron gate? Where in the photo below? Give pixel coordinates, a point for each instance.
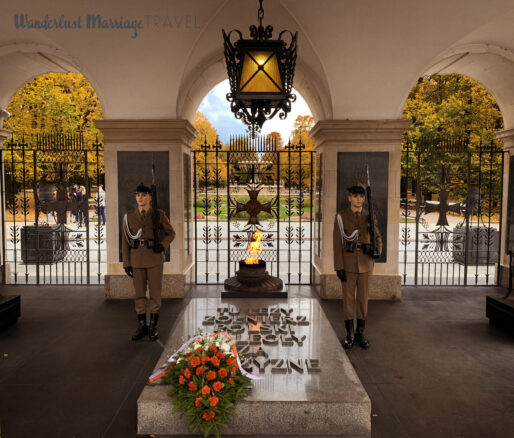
(51, 233)
(253, 185)
(451, 197)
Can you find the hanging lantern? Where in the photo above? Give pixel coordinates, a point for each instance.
(260, 72)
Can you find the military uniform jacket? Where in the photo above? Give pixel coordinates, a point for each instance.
(143, 257)
(356, 262)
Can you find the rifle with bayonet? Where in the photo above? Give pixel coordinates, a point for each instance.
(372, 232)
(156, 219)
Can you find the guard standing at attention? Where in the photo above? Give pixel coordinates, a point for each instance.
(143, 258)
(354, 258)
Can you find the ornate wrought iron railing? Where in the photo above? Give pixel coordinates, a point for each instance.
(451, 200)
(253, 184)
(51, 233)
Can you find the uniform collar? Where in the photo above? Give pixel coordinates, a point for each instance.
(140, 211)
(356, 210)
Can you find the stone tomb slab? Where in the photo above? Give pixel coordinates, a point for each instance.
(309, 386)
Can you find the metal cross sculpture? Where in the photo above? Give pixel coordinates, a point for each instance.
(253, 207)
(442, 206)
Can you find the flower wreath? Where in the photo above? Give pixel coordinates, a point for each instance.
(206, 379)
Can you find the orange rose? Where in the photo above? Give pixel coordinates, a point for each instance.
(213, 348)
(198, 402)
(205, 359)
(206, 390)
(195, 361)
(220, 354)
(181, 379)
(231, 362)
(187, 373)
(215, 361)
(199, 350)
(222, 373)
(208, 416)
(217, 386)
(231, 380)
(192, 386)
(213, 401)
(233, 370)
(200, 371)
(211, 375)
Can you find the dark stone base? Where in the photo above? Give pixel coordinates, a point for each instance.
(282, 293)
(500, 312)
(9, 310)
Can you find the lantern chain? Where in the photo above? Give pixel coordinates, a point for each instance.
(260, 13)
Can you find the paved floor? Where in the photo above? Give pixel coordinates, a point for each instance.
(436, 368)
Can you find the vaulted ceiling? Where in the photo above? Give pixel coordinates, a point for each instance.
(357, 59)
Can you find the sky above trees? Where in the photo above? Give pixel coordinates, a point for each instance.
(217, 110)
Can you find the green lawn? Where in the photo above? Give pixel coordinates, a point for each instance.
(221, 210)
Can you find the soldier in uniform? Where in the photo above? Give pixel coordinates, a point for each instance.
(354, 258)
(143, 259)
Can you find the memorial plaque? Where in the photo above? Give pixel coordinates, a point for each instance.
(309, 386)
(187, 202)
(510, 212)
(318, 216)
(351, 168)
(135, 167)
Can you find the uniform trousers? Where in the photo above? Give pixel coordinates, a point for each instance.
(360, 282)
(153, 278)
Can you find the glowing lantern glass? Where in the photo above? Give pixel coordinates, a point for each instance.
(260, 72)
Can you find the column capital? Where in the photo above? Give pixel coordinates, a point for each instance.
(4, 134)
(4, 114)
(507, 137)
(372, 132)
(150, 131)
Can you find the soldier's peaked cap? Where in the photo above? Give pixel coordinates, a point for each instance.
(356, 187)
(141, 188)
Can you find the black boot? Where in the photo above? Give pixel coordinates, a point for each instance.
(359, 336)
(153, 334)
(142, 328)
(350, 335)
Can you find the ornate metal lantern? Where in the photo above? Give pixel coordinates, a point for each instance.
(260, 72)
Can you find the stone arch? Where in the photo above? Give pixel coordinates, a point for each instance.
(22, 62)
(212, 71)
(491, 66)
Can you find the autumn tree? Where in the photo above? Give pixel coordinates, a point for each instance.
(296, 164)
(452, 105)
(206, 132)
(211, 168)
(301, 128)
(53, 103)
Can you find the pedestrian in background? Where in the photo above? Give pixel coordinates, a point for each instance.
(100, 204)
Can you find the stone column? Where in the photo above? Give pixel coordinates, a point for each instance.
(174, 137)
(507, 217)
(332, 137)
(4, 134)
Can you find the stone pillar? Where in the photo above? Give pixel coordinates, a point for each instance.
(507, 214)
(4, 134)
(174, 137)
(332, 137)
